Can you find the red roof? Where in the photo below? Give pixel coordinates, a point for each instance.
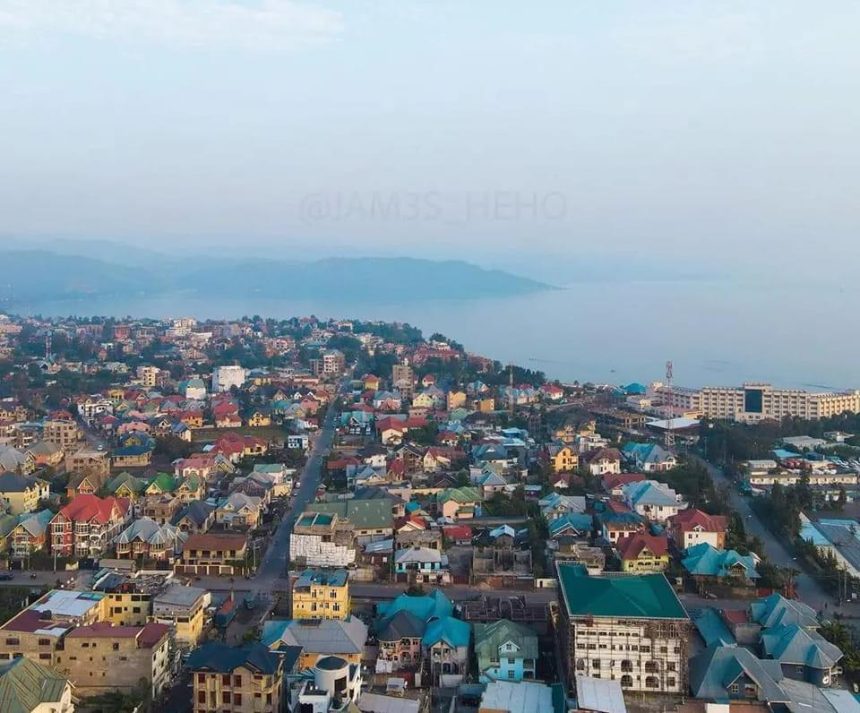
(630, 546)
(91, 508)
(616, 480)
(457, 532)
(688, 520)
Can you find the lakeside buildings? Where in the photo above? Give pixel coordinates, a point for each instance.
(757, 401)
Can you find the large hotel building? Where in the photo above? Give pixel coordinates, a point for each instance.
(756, 402)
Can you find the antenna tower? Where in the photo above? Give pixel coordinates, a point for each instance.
(670, 434)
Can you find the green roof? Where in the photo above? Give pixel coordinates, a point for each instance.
(362, 514)
(489, 637)
(465, 494)
(647, 596)
(24, 684)
(165, 482)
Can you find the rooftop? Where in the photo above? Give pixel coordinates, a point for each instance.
(637, 596)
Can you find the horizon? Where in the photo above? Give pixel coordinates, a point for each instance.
(506, 138)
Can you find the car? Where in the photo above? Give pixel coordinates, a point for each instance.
(6, 576)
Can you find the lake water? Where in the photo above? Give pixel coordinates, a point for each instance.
(716, 333)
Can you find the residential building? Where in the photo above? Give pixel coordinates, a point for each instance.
(371, 519)
(30, 533)
(62, 433)
(88, 461)
(518, 697)
(99, 658)
(184, 608)
(236, 680)
(327, 637)
(146, 539)
(603, 461)
(212, 554)
(506, 651)
(708, 566)
(30, 687)
(38, 631)
(21, 493)
(87, 525)
(333, 363)
(321, 594)
(653, 500)
(629, 628)
(459, 503)
(401, 627)
(692, 527)
(643, 552)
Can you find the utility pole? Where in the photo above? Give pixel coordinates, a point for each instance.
(670, 434)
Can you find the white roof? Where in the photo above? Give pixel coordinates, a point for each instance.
(675, 424)
(599, 694)
(522, 697)
(375, 703)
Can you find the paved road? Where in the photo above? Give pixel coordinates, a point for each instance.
(271, 574)
(777, 551)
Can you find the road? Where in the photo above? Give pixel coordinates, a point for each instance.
(273, 570)
(777, 551)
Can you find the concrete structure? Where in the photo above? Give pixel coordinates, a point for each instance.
(101, 657)
(212, 554)
(236, 680)
(631, 628)
(183, 608)
(226, 377)
(322, 540)
(758, 401)
(321, 594)
(62, 433)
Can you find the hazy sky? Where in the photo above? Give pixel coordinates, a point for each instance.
(499, 131)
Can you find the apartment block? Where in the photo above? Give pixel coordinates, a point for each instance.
(321, 594)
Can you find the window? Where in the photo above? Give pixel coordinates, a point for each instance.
(225, 680)
(201, 678)
(225, 697)
(237, 681)
(201, 695)
(595, 663)
(237, 699)
(511, 674)
(115, 646)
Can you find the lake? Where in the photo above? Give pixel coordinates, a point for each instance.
(719, 332)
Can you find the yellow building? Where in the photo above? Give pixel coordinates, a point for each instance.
(21, 493)
(563, 459)
(321, 594)
(640, 552)
(185, 609)
(238, 680)
(128, 608)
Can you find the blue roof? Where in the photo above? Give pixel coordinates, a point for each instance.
(432, 606)
(708, 561)
(783, 454)
(577, 520)
(712, 628)
(453, 632)
(221, 658)
(636, 388)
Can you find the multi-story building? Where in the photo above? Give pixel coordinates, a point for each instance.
(183, 608)
(628, 628)
(322, 540)
(100, 657)
(148, 376)
(333, 363)
(506, 651)
(758, 401)
(87, 525)
(61, 432)
(88, 461)
(37, 632)
(321, 594)
(226, 377)
(693, 527)
(236, 680)
(20, 493)
(212, 554)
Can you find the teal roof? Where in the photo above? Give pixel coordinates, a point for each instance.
(642, 596)
(707, 561)
(362, 514)
(579, 521)
(432, 606)
(25, 684)
(453, 632)
(712, 628)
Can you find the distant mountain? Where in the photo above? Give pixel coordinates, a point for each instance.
(41, 275)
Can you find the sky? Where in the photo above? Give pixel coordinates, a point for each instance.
(530, 136)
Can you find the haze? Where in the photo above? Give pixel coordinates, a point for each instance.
(698, 134)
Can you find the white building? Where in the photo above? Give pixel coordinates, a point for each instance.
(226, 377)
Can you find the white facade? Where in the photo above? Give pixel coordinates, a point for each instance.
(226, 377)
(317, 553)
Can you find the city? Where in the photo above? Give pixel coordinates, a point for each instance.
(316, 516)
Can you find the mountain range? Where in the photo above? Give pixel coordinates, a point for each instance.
(62, 270)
